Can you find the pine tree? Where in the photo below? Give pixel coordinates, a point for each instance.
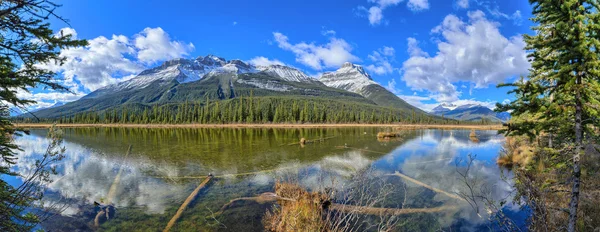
(561, 93)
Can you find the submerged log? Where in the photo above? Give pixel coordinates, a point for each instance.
(186, 203)
(451, 195)
(113, 188)
(387, 211)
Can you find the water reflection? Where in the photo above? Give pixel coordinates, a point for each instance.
(149, 183)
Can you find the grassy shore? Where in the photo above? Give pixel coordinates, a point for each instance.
(398, 126)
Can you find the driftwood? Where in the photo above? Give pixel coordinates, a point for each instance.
(108, 211)
(304, 141)
(186, 203)
(359, 149)
(113, 188)
(387, 211)
(272, 197)
(451, 195)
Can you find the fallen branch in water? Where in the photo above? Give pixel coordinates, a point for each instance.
(113, 188)
(305, 141)
(426, 186)
(186, 203)
(387, 211)
(359, 149)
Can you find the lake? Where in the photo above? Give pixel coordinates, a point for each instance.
(148, 185)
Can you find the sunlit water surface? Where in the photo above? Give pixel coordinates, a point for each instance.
(150, 189)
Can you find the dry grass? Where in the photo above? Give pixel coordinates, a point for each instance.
(387, 135)
(473, 137)
(516, 151)
(305, 213)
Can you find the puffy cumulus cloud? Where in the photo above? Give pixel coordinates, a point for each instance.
(154, 44)
(108, 60)
(413, 48)
(95, 65)
(49, 98)
(381, 59)
(329, 55)
(463, 4)
(264, 61)
(418, 101)
(417, 5)
(473, 51)
(375, 13)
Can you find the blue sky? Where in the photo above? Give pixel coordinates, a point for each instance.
(425, 51)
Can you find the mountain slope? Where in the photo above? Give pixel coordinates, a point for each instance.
(354, 78)
(182, 80)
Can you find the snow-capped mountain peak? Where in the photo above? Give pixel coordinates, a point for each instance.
(350, 77)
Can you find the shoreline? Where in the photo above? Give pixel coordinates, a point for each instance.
(398, 126)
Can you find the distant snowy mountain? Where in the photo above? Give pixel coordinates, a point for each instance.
(443, 108)
(469, 112)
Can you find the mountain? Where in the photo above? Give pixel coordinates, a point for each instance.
(354, 78)
(209, 79)
(469, 112)
(212, 77)
(443, 108)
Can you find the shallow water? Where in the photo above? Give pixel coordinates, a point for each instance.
(149, 189)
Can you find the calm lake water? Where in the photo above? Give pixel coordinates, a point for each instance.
(150, 188)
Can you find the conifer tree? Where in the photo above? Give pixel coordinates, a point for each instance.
(563, 84)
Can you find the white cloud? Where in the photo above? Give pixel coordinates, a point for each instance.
(413, 48)
(264, 61)
(375, 13)
(330, 55)
(473, 51)
(391, 86)
(96, 65)
(493, 9)
(154, 44)
(108, 60)
(234, 23)
(67, 31)
(463, 4)
(381, 59)
(47, 99)
(328, 32)
(417, 101)
(417, 5)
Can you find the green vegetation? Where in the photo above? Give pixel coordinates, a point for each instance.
(252, 110)
(26, 41)
(559, 100)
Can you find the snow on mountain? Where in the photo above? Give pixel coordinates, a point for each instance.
(190, 70)
(286, 73)
(349, 77)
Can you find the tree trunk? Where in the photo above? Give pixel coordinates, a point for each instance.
(576, 157)
(549, 140)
